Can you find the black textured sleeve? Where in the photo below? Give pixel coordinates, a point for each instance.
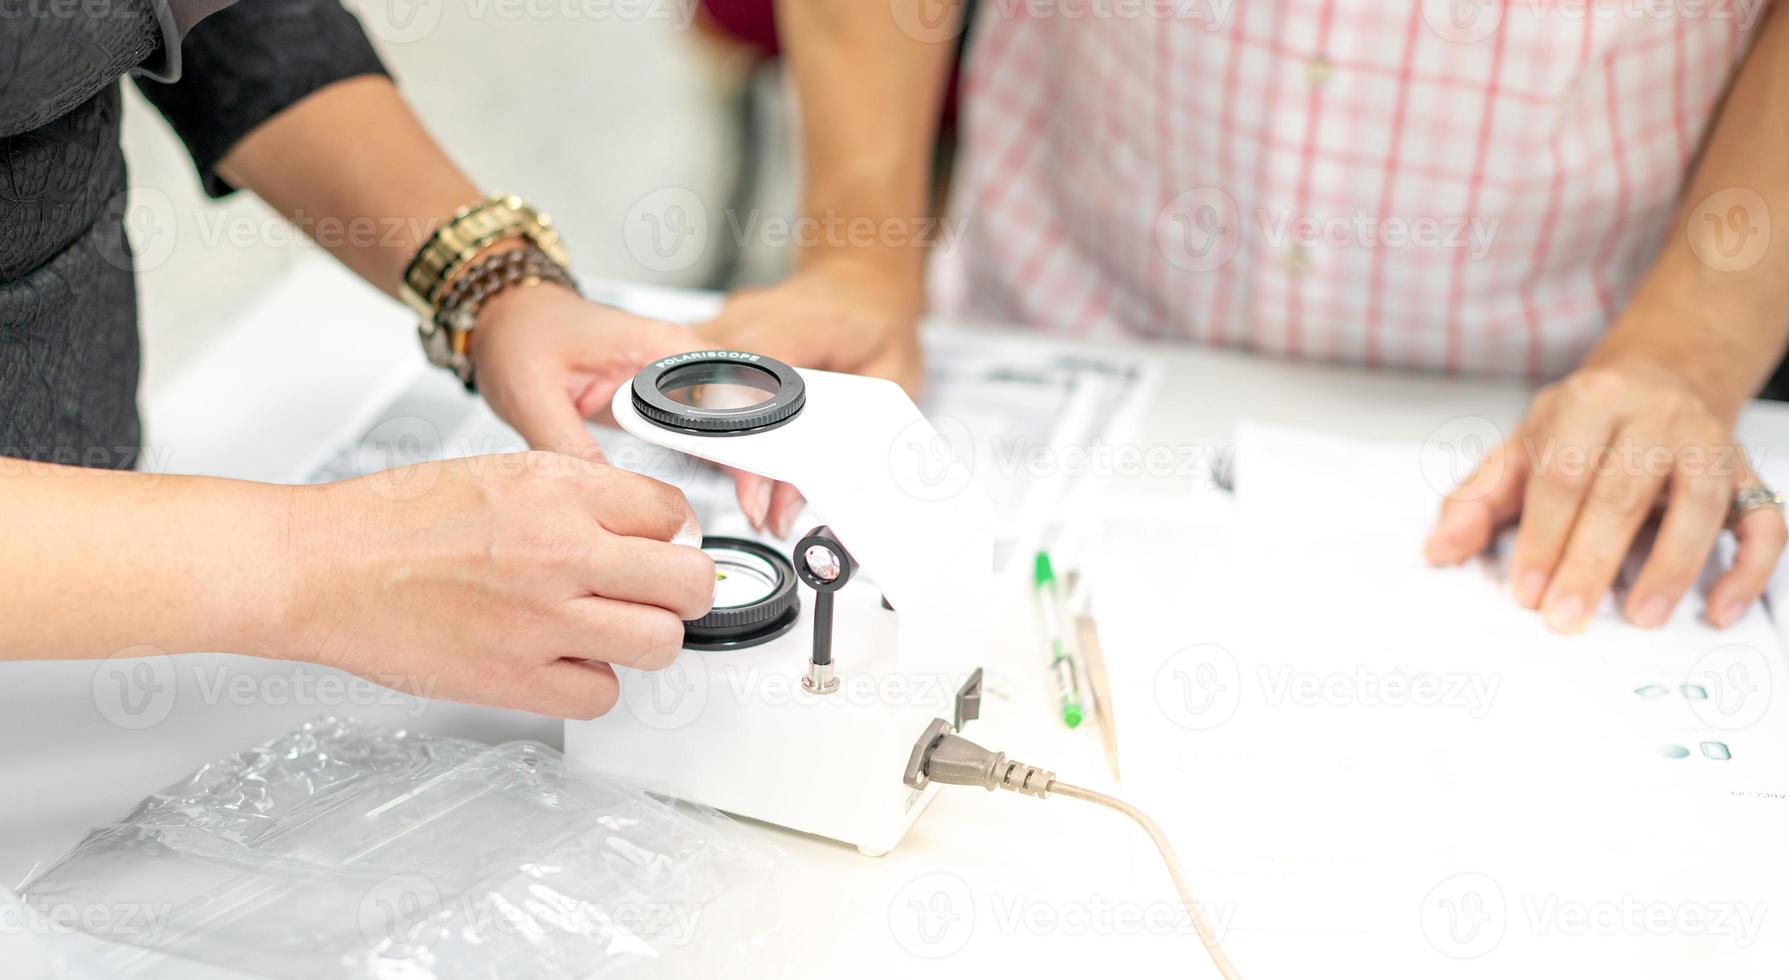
(56, 56)
(242, 65)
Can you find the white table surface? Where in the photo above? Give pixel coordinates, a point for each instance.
(1052, 888)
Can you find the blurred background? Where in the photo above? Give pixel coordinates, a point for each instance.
(585, 107)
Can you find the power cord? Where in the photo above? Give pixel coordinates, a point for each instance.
(942, 756)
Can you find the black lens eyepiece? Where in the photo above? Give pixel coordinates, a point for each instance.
(718, 393)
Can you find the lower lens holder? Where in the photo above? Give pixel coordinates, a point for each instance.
(769, 609)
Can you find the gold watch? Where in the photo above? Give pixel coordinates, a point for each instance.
(459, 240)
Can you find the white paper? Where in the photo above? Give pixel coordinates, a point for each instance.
(1378, 766)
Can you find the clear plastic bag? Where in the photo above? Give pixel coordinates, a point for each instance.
(345, 849)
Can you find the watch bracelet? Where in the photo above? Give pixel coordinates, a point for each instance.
(490, 275)
(460, 239)
(457, 309)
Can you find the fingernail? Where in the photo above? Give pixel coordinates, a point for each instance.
(760, 508)
(1444, 541)
(780, 525)
(1728, 612)
(1565, 614)
(1651, 611)
(1452, 524)
(1529, 586)
(689, 535)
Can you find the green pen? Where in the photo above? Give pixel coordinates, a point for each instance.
(1063, 670)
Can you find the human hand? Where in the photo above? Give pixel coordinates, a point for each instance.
(513, 580)
(836, 314)
(1597, 454)
(547, 360)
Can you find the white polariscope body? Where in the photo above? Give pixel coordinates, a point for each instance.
(734, 728)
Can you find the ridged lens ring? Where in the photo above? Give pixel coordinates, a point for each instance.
(718, 393)
(755, 600)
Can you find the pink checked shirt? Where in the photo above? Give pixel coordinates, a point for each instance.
(1444, 184)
